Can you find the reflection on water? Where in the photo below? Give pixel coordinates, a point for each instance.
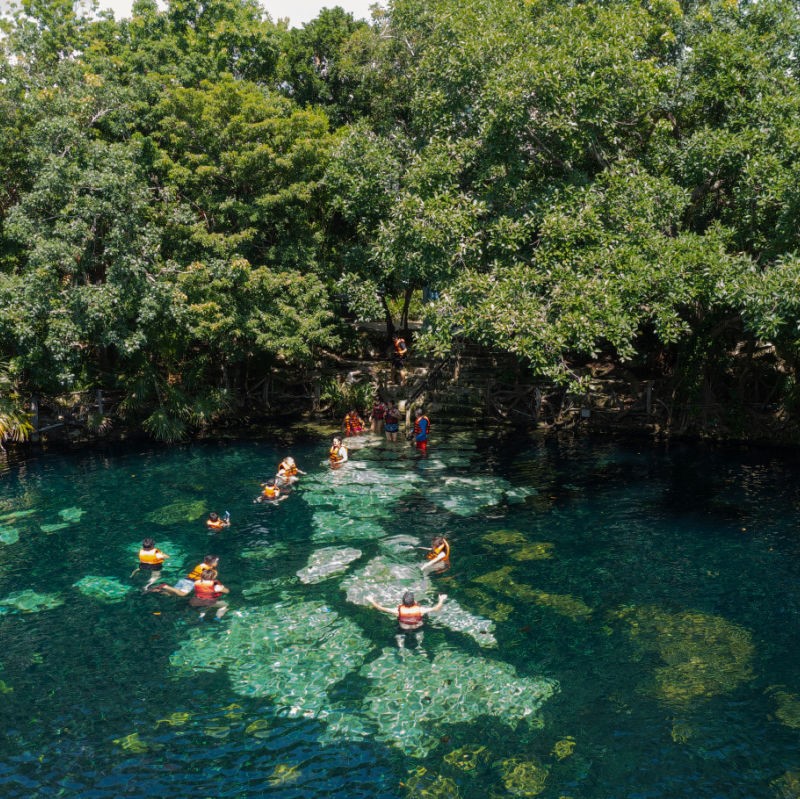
(621, 622)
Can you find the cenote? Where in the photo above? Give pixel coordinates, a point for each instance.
(621, 622)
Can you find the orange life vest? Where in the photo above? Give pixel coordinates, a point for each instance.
(286, 470)
(436, 551)
(400, 347)
(271, 492)
(335, 454)
(215, 525)
(151, 558)
(410, 618)
(197, 572)
(418, 429)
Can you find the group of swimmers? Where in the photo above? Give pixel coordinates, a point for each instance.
(202, 581)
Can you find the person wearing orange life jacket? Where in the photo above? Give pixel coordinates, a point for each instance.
(337, 453)
(185, 585)
(215, 523)
(271, 493)
(207, 593)
(353, 424)
(438, 557)
(151, 560)
(422, 426)
(287, 472)
(399, 358)
(409, 616)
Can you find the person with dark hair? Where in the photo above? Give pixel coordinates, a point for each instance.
(207, 593)
(377, 416)
(271, 492)
(392, 422)
(151, 560)
(338, 453)
(185, 585)
(409, 616)
(422, 427)
(353, 424)
(399, 358)
(214, 522)
(438, 557)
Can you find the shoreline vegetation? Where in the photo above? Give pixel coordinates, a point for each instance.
(590, 209)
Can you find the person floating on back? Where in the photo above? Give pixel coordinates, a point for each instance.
(207, 593)
(409, 616)
(213, 522)
(287, 472)
(185, 585)
(438, 557)
(422, 426)
(151, 560)
(337, 453)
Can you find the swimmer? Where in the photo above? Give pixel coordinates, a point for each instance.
(185, 585)
(409, 616)
(151, 560)
(353, 424)
(271, 493)
(213, 522)
(207, 593)
(288, 472)
(392, 422)
(438, 557)
(338, 453)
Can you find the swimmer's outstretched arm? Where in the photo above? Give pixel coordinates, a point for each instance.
(380, 607)
(437, 606)
(430, 563)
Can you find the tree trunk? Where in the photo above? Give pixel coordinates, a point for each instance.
(388, 314)
(404, 315)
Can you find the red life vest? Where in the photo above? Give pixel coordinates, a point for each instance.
(418, 429)
(206, 590)
(410, 618)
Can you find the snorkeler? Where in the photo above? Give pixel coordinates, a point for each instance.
(409, 616)
(151, 560)
(438, 557)
(215, 523)
(207, 593)
(338, 452)
(185, 585)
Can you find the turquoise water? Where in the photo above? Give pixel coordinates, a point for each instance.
(621, 622)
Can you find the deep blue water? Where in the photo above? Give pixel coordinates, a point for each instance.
(656, 588)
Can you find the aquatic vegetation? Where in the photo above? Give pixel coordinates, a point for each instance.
(565, 604)
(467, 758)
(465, 496)
(265, 551)
(523, 777)
(456, 618)
(260, 728)
(72, 515)
(177, 719)
(106, 589)
(787, 786)
(705, 655)
(411, 698)
(54, 528)
(563, 748)
(536, 550)
(13, 515)
(284, 775)
(505, 538)
(9, 535)
(216, 730)
(291, 653)
(30, 601)
(487, 606)
(324, 563)
(788, 711)
(187, 510)
(681, 731)
(422, 784)
(133, 743)
(5, 688)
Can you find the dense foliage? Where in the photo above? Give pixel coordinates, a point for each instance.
(190, 194)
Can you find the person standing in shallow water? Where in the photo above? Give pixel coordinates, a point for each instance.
(422, 426)
(392, 422)
(409, 616)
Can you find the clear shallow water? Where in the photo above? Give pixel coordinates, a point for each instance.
(644, 604)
